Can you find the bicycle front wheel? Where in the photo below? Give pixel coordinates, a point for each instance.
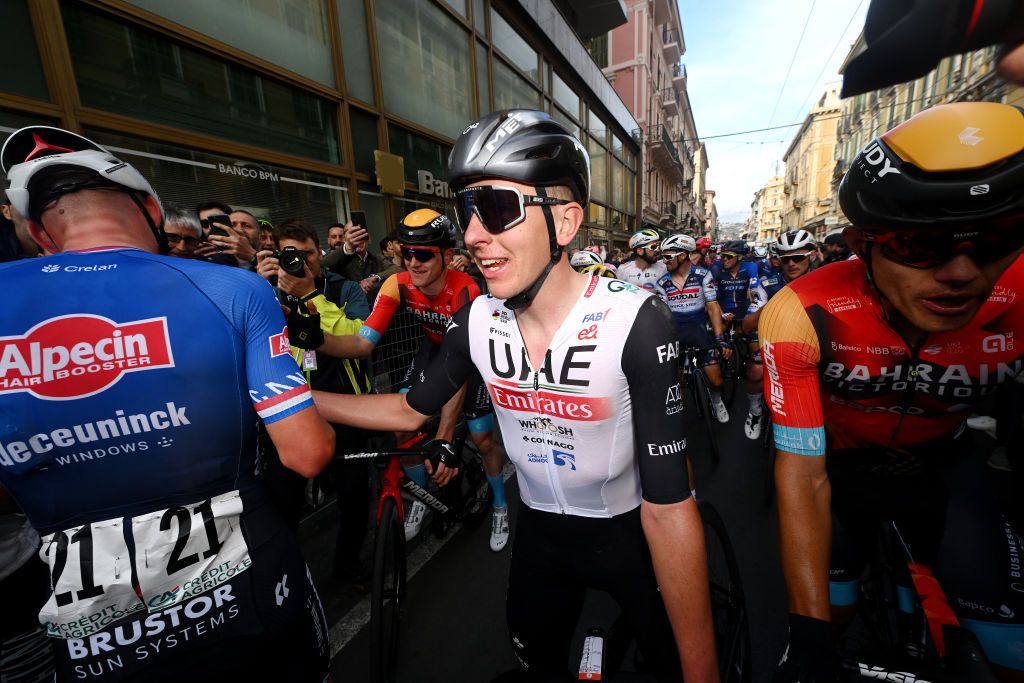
(728, 608)
(730, 375)
(702, 399)
(388, 594)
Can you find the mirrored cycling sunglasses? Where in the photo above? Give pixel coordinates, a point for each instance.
(421, 254)
(728, 254)
(931, 248)
(498, 208)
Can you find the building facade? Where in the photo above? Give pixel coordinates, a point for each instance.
(291, 109)
(710, 213)
(810, 161)
(641, 60)
(766, 211)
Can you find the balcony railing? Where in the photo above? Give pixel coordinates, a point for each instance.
(670, 101)
(670, 44)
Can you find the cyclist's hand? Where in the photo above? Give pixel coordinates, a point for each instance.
(728, 316)
(810, 656)
(724, 346)
(441, 463)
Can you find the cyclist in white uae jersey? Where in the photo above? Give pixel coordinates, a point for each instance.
(580, 384)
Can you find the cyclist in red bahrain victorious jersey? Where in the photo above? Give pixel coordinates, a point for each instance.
(130, 386)
(876, 363)
(433, 293)
(579, 369)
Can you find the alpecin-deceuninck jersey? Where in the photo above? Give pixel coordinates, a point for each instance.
(130, 386)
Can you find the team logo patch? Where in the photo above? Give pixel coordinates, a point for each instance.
(75, 356)
(279, 345)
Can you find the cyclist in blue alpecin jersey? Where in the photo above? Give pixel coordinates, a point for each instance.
(735, 279)
(130, 386)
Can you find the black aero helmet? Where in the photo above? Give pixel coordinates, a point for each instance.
(951, 165)
(738, 247)
(426, 227)
(522, 145)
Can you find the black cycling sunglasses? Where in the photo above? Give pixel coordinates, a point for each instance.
(929, 248)
(187, 239)
(498, 208)
(421, 254)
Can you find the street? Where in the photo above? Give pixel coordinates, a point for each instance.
(453, 625)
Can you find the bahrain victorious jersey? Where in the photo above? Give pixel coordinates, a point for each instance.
(831, 358)
(432, 312)
(130, 386)
(597, 426)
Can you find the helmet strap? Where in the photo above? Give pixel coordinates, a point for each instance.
(523, 298)
(158, 230)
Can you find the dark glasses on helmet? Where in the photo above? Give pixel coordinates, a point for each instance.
(498, 208)
(793, 258)
(931, 248)
(421, 254)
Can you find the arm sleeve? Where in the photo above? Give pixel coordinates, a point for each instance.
(276, 385)
(448, 371)
(790, 352)
(709, 287)
(650, 360)
(384, 309)
(758, 298)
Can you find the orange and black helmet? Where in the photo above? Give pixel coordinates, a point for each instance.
(426, 227)
(949, 166)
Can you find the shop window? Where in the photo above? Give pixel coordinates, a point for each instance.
(558, 115)
(483, 87)
(355, 49)
(371, 201)
(513, 46)
(420, 154)
(130, 71)
(598, 170)
(364, 139)
(458, 5)
(597, 127)
(630, 192)
(618, 183)
(23, 74)
(480, 17)
(292, 34)
(598, 215)
(565, 96)
(424, 58)
(511, 90)
(188, 177)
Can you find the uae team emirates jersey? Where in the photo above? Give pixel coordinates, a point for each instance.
(596, 425)
(832, 363)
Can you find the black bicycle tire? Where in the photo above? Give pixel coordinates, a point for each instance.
(727, 599)
(475, 493)
(389, 549)
(702, 397)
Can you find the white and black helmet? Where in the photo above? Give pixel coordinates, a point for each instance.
(642, 238)
(676, 243)
(794, 240)
(41, 152)
(760, 251)
(583, 258)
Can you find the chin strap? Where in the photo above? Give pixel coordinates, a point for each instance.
(158, 230)
(523, 298)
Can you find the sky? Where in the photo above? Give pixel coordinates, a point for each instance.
(737, 55)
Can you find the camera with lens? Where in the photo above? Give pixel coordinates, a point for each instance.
(291, 261)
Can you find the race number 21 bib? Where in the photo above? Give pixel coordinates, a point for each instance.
(179, 553)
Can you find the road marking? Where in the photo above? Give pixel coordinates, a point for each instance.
(346, 628)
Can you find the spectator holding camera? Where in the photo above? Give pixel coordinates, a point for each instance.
(354, 261)
(184, 234)
(322, 304)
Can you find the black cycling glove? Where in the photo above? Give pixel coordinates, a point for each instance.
(811, 655)
(304, 330)
(441, 451)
